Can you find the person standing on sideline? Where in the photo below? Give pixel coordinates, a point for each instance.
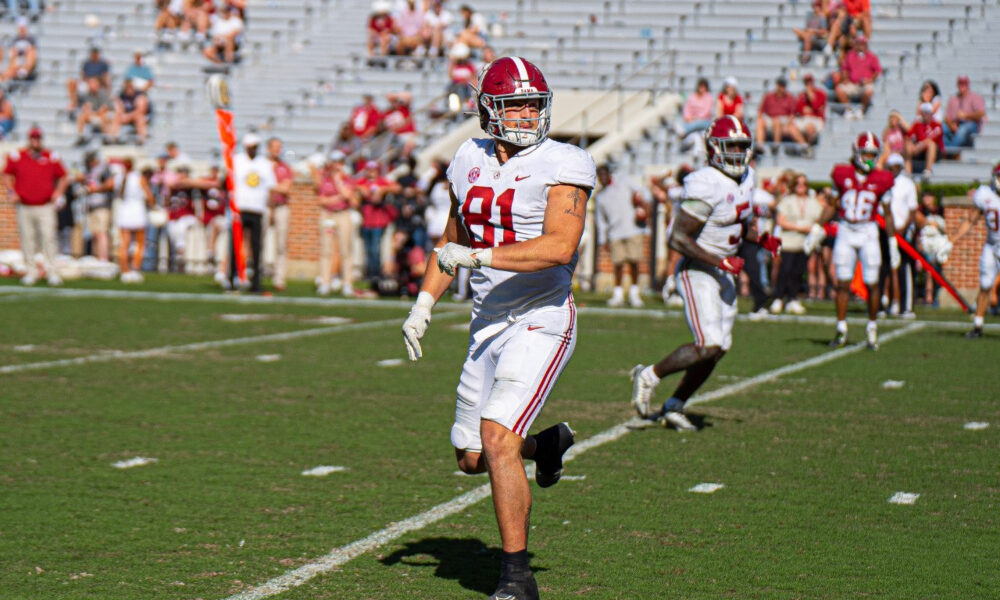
(38, 179)
(622, 214)
(280, 212)
(137, 198)
(903, 208)
(518, 205)
(253, 180)
(798, 212)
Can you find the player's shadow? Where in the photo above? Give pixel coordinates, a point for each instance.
(468, 561)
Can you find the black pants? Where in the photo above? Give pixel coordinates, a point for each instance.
(253, 224)
(906, 270)
(790, 275)
(750, 253)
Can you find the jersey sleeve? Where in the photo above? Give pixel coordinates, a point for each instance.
(10, 167)
(979, 198)
(576, 167)
(699, 187)
(837, 177)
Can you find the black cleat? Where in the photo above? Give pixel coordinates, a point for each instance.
(551, 444)
(974, 334)
(524, 588)
(840, 341)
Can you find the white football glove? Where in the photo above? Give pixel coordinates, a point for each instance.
(416, 324)
(894, 258)
(814, 238)
(453, 255)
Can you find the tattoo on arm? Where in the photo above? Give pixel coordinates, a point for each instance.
(578, 196)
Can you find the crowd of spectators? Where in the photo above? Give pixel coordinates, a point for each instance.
(100, 111)
(215, 28)
(423, 29)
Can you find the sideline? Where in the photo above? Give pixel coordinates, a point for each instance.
(340, 556)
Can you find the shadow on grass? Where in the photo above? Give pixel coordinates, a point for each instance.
(468, 561)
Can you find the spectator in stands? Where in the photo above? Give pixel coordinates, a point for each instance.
(413, 35)
(925, 139)
(132, 107)
(365, 117)
(860, 12)
(380, 28)
(858, 73)
(797, 213)
(730, 101)
(346, 142)
(376, 214)
(622, 214)
(226, 32)
(137, 198)
(168, 19)
(810, 110)
(841, 25)
(7, 117)
(930, 92)
(894, 139)
(253, 181)
(439, 22)
(140, 74)
(196, 21)
(472, 30)
(964, 116)
(95, 67)
(776, 115)
(34, 9)
(100, 183)
(337, 198)
(462, 73)
(399, 121)
(814, 33)
(175, 156)
(22, 57)
(698, 108)
(280, 211)
(37, 178)
(95, 109)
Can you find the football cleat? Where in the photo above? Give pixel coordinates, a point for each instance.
(872, 343)
(524, 588)
(642, 392)
(677, 420)
(551, 444)
(974, 334)
(840, 341)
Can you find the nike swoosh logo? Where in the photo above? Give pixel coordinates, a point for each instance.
(534, 327)
(520, 178)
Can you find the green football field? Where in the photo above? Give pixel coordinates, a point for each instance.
(235, 398)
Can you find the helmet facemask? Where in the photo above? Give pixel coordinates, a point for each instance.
(732, 156)
(493, 108)
(865, 159)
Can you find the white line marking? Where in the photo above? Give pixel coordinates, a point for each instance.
(892, 384)
(390, 362)
(975, 425)
(707, 488)
(138, 461)
(323, 470)
(266, 358)
(340, 556)
(903, 498)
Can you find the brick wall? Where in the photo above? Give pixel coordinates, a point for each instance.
(9, 239)
(962, 268)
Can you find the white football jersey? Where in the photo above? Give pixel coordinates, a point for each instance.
(731, 204)
(504, 204)
(988, 201)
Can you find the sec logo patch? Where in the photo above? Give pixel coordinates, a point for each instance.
(473, 174)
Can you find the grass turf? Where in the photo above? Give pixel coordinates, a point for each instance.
(808, 463)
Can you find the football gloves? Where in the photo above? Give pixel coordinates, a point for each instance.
(894, 258)
(416, 324)
(770, 243)
(815, 238)
(453, 255)
(732, 264)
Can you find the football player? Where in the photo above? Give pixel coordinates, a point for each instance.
(987, 200)
(715, 216)
(861, 188)
(519, 201)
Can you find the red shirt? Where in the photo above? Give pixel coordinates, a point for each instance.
(34, 176)
(818, 104)
(377, 216)
(398, 120)
(215, 201)
(282, 173)
(729, 106)
(922, 130)
(462, 72)
(364, 119)
(774, 105)
(859, 68)
(380, 23)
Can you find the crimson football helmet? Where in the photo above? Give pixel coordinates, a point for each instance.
(513, 79)
(729, 145)
(865, 151)
(996, 178)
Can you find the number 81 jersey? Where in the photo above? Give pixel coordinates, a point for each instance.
(503, 204)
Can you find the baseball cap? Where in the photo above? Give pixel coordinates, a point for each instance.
(926, 107)
(251, 139)
(35, 132)
(895, 159)
(372, 164)
(731, 81)
(807, 77)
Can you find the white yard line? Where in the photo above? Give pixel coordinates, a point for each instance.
(340, 556)
(162, 350)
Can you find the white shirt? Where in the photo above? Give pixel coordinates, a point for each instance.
(615, 211)
(228, 26)
(730, 206)
(504, 204)
(903, 201)
(252, 182)
(986, 200)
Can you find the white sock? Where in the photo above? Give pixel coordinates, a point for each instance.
(617, 292)
(842, 327)
(633, 290)
(671, 285)
(649, 376)
(871, 326)
(977, 321)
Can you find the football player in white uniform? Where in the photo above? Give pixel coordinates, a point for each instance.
(987, 200)
(519, 201)
(715, 216)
